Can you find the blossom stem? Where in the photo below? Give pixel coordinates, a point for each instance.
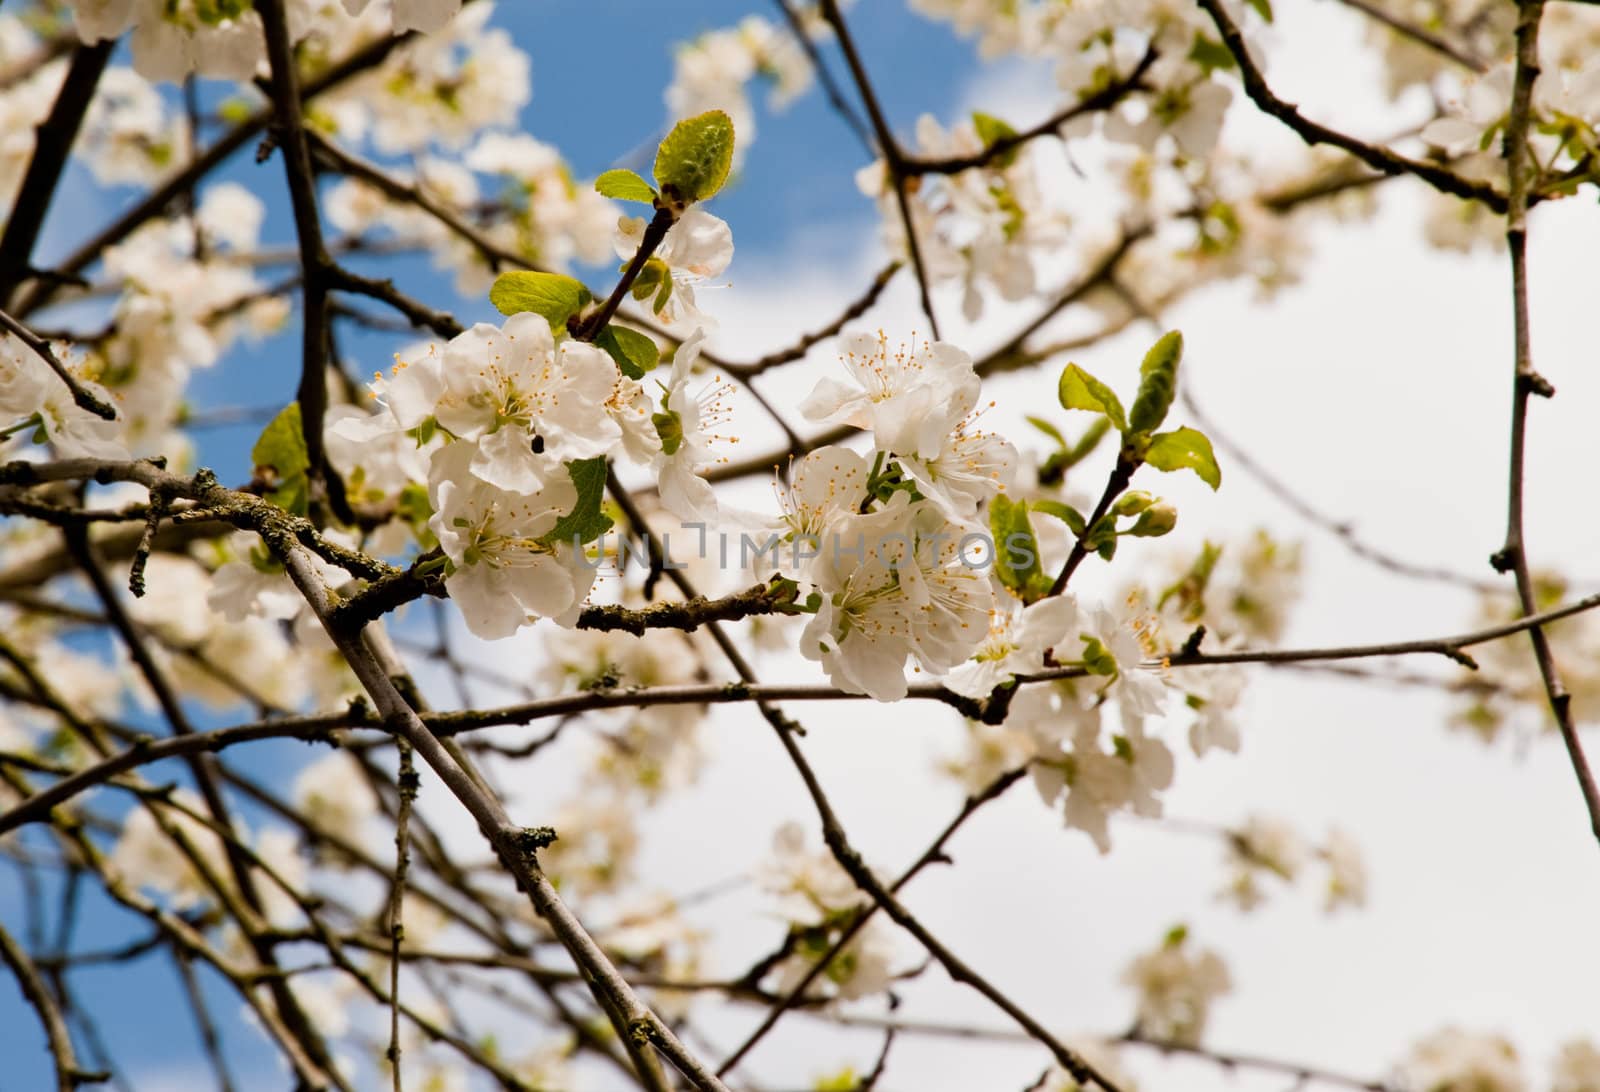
(587, 329)
(1121, 475)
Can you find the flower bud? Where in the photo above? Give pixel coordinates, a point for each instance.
(1131, 503)
(1155, 521)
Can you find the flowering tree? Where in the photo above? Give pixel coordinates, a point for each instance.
(569, 479)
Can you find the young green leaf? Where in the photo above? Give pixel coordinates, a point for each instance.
(1082, 391)
(281, 447)
(693, 162)
(635, 353)
(552, 295)
(1047, 428)
(585, 522)
(1184, 449)
(625, 186)
(1063, 512)
(1210, 55)
(1158, 383)
(990, 129)
(669, 427)
(280, 459)
(1016, 550)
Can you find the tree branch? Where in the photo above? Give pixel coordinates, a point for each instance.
(1526, 383)
(81, 396)
(1375, 156)
(515, 846)
(68, 1074)
(53, 141)
(893, 158)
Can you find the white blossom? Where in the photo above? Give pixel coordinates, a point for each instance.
(504, 575)
(1456, 1060)
(1019, 637)
(697, 247)
(908, 398)
(1176, 988)
(527, 403)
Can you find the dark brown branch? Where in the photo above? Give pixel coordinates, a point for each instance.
(155, 203)
(397, 589)
(353, 166)
(1421, 35)
(1104, 99)
(68, 1074)
(289, 131)
(1526, 383)
(1375, 156)
(799, 349)
(589, 326)
(53, 141)
(81, 396)
(382, 289)
(893, 158)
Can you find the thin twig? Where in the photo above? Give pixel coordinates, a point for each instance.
(53, 141)
(855, 310)
(515, 846)
(1421, 35)
(1102, 100)
(81, 396)
(1526, 383)
(68, 1074)
(934, 853)
(830, 87)
(1376, 156)
(889, 148)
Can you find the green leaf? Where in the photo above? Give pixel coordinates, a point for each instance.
(693, 162)
(280, 459)
(1080, 390)
(281, 447)
(1047, 428)
(625, 186)
(1263, 8)
(1210, 55)
(1063, 512)
(635, 353)
(585, 522)
(1096, 658)
(1190, 588)
(552, 295)
(1158, 383)
(1184, 449)
(990, 129)
(1016, 550)
(1054, 468)
(413, 506)
(669, 426)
